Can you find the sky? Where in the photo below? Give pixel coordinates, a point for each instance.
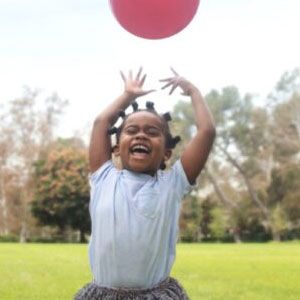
(77, 48)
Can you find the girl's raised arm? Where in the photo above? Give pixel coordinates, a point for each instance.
(100, 143)
(196, 152)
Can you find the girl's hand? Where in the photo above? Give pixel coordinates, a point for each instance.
(134, 86)
(177, 81)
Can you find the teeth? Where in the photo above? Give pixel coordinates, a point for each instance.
(140, 147)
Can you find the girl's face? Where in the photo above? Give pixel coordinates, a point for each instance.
(142, 142)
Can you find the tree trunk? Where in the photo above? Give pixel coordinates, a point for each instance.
(229, 205)
(3, 204)
(269, 168)
(227, 202)
(82, 236)
(237, 236)
(23, 232)
(276, 235)
(24, 217)
(247, 181)
(264, 209)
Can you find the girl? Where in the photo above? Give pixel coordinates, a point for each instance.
(134, 210)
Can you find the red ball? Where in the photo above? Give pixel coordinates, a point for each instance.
(154, 19)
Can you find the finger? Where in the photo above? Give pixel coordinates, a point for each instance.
(130, 75)
(143, 80)
(166, 79)
(149, 91)
(175, 73)
(185, 94)
(123, 76)
(139, 74)
(173, 88)
(166, 85)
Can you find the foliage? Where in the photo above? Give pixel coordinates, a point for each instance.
(62, 191)
(8, 238)
(27, 126)
(252, 172)
(190, 219)
(248, 191)
(218, 225)
(279, 221)
(284, 190)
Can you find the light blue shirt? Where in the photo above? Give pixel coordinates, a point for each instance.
(134, 225)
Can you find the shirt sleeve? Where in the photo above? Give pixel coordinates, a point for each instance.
(100, 173)
(180, 181)
(97, 179)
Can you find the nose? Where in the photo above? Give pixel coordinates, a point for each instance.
(140, 135)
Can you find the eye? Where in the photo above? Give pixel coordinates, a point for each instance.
(131, 130)
(153, 131)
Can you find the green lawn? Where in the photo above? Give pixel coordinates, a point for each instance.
(207, 271)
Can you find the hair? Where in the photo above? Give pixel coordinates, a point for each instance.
(171, 141)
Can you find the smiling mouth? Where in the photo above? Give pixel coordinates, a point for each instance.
(140, 149)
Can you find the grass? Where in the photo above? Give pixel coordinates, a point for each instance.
(207, 271)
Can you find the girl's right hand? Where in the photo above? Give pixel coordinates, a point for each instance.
(134, 86)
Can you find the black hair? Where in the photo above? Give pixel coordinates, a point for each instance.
(171, 141)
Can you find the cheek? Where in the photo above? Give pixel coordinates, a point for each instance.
(123, 144)
(161, 144)
(123, 138)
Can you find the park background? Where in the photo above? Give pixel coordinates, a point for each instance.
(60, 63)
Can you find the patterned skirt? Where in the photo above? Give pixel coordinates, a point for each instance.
(169, 289)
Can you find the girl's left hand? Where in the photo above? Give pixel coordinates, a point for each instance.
(178, 81)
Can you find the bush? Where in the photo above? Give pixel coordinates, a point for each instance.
(9, 238)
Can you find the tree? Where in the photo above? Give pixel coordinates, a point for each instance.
(62, 191)
(184, 125)
(283, 191)
(279, 222)
(27, 126)
(284, 195)
(190, 219)
(244, 155)
(219, 223)
(6, 148)
(231, 208)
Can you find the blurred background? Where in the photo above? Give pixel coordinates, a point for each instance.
(60, 63)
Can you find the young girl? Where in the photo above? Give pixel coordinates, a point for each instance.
(134, 210)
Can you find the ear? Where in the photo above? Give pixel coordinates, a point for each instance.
(168, 154)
